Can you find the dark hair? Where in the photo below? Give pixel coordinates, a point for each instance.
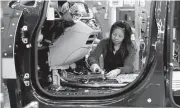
(127, 37)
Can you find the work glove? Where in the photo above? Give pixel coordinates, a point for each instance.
(113, 74)
(95, 68)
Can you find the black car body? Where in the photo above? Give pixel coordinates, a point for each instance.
(152, 88)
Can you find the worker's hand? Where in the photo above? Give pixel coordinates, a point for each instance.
(113, 74)
(95, 68)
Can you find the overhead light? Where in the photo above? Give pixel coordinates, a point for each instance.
(99, 3)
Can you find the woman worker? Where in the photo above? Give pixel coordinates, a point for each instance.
(118, 51)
